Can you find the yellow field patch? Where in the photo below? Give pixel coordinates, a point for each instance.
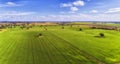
(2, 30)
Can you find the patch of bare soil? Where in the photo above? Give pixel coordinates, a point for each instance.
(40, 36)
(100, 62)
(117, 63)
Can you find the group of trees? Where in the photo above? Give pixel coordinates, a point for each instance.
(2, 26)
(26, 26)
(14, 25)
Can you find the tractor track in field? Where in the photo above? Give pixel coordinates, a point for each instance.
(81, 52)
(41, 48)
(45, 46)
(7, 48)
(37, 53)
(65, 58)
(51, 51)
(9, 53)
(64, 55)
(33, 58)
(46, 52)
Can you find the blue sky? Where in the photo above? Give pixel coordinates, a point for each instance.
(59, 10)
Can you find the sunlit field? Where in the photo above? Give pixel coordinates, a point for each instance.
(58, 44)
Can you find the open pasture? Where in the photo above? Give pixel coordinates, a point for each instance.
(58, 45)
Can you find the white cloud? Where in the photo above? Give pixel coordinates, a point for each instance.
(15, 13)
(94, 11)
(9, 4)
(73, 5)
(72, 17)
(113, 10)
(74, 9)
(78, 3)
(65, 5)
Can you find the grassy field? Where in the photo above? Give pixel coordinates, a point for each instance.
(59, 46)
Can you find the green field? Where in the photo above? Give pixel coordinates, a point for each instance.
(59, 46)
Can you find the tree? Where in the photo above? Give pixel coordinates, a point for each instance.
(40, 34)
(22, 27)
(2, 26)
(80, 29)
(101, 34)
(62, 27)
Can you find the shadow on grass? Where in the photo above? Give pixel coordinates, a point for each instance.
(99, 36)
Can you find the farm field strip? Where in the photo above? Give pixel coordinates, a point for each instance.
(52, 53)
(101, 45)
(75, 51)
(62, 59)
(63, 54)
(7, 48)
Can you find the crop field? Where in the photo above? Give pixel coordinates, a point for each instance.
(59, 46)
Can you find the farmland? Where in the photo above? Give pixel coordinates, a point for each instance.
(52, 44)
